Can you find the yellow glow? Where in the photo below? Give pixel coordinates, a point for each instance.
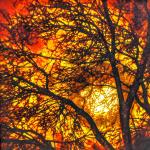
(99, 100)
(103, 100)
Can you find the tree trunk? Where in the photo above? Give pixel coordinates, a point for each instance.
(124, 118)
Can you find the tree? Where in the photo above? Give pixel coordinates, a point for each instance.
(59, 54)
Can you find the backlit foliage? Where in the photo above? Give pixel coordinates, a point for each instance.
(75, 74)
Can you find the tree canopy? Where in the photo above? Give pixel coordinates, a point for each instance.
(75, 75)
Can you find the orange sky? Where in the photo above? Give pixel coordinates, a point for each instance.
(7, 5)
(13, 6)
(16, 5)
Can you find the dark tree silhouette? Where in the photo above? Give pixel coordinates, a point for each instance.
(56, 57)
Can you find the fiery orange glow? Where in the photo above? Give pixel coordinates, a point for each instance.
(45, 60)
